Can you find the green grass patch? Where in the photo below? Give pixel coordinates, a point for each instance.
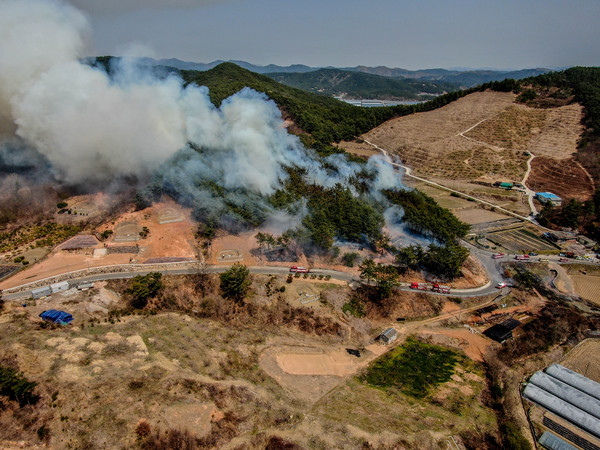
(354, 307)
(415, 368)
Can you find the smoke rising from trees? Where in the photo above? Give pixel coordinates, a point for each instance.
(96, 126)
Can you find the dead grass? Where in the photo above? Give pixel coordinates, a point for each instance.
(587, 287)
(447, 411)
(494, 149)
(512, 128)
(212, 381)
(585, 359)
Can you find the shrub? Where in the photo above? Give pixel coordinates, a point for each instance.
(354, 307)
(235, 282)
(144, 287)
(143, 429)
(62, 205)
(349, 259)
(513, 438)
(16, 387)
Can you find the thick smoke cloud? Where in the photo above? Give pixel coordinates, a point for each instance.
(94, 128)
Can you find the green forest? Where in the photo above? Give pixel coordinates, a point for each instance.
(326, 119)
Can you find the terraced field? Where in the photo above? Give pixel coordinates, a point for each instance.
(588, 287)
(512, 128)
(521, 240)
(486, 136)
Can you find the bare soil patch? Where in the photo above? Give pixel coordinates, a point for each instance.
(474, 345)
(563, 177)
(171, 240)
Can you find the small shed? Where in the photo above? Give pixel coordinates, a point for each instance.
(498, 333)
(58, 287)
(41, 292)
(85, 286)
(388, 336)
(586, 241)
(506, 185)
(56, 316)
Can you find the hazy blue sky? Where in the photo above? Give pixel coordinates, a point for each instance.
(396, 33)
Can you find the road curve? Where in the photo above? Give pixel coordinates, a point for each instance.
(262, 270)
(408, 170)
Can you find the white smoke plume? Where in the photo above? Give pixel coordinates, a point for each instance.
(94, 127)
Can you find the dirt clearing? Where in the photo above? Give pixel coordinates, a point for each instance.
(563, 177)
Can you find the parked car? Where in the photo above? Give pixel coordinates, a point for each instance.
(501, 285)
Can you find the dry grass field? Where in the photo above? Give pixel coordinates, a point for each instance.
(485, 136)
(585, 359)
(587, 287)
(231, 383)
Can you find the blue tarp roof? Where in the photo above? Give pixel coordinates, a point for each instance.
(56, 316)
(548, 195)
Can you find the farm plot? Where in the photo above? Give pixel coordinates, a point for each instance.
(585, 359)
(520, 240)
(587, 287)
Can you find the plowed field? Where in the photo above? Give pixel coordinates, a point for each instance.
(588, 287)
(565, 178)
(585, 359)
(485, 136)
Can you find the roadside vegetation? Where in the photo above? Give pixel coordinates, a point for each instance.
(583, 216)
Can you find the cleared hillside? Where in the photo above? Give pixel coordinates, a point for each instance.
(486, 136)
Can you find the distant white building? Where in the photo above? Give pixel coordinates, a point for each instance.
(40, 292)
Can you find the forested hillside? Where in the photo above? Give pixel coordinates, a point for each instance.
(358, 85)
(325, 118)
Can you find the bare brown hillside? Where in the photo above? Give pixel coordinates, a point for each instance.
(486, 136)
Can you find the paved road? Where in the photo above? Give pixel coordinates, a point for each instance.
(491, 265)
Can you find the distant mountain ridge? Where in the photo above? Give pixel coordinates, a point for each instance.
(360, 85)
(187, 65)
(462, 79)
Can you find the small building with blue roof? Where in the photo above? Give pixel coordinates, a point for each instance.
(56, 316)
(548, 197)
